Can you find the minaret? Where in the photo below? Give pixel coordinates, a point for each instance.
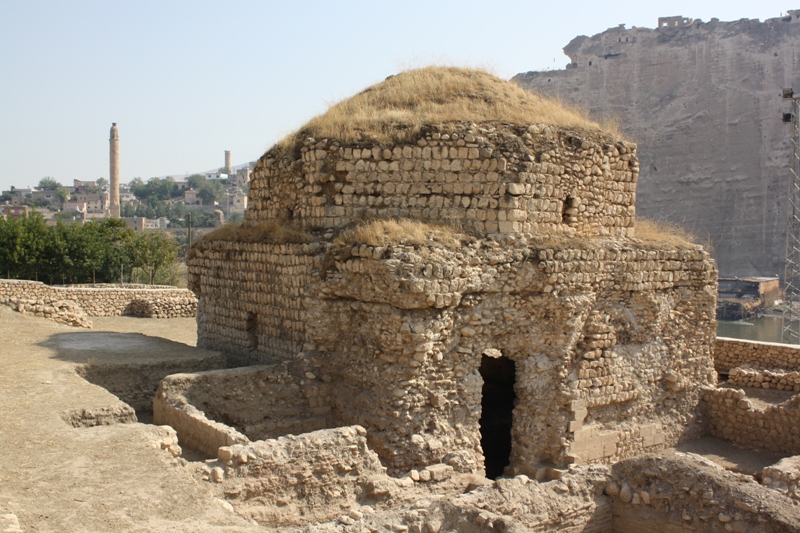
(113, 141)
(228, 161)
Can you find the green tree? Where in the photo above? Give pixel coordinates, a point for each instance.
(49, 184)
(127, 210)
(101, 181)
(210, 192)
(195, 181)
(63, 195)
(58, 266)
(153, 250)
(22, 242)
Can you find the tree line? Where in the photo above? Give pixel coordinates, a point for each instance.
(105, 251)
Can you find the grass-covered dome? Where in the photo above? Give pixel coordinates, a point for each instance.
(397, 109)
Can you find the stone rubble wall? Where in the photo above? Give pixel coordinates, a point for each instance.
(573, 503)
(104, 300)
(732, 353)
(261, 402)
(765, 378)
(170, 307)
(62, 311)
(120, 413)
(686, 492)
(609, 328)
(491, 177)
(733, 417)
(784, 476)
(311, 477)
(193, 427)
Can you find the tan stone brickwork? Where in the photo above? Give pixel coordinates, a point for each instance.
(730, 353)
(735, 418)
(764, 378)
(402, 336)
(491, 177)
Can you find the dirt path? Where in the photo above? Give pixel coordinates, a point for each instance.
(54, 477)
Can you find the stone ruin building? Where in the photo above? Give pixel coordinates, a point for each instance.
(467, 297)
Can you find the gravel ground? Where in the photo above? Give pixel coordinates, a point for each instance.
(54, 477)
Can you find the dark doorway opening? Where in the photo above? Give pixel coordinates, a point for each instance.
(251, 327)
(499, 375)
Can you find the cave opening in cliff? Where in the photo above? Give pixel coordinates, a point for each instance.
(497, 403)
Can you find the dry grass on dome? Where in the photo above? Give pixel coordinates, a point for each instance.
(397, 108)
(272, 232)
(400, 231)
(658, 232)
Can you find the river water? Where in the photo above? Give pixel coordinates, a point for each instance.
(767, 329)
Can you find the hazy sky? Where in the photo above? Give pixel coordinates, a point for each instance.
(186, 80)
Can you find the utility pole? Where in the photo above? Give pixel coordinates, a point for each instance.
(189, 230)
(791, 278)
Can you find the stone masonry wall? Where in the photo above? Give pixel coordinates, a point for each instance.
(98, 300)
(62, 311)
(491, 177)
(731, 353)
(597, 332)
(311, 477)
(746, 376)
(262, 283)
(735, 418)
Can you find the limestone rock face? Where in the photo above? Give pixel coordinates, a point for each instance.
(703, 103)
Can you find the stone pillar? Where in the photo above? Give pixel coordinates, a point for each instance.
(113, 141)
(228, 161)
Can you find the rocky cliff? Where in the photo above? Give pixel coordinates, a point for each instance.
(703, 102)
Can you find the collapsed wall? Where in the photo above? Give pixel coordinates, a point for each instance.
(540, 332)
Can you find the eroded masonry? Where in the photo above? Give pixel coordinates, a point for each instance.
(470, 300)
(549, 337)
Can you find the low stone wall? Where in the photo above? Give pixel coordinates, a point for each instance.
(194, 429)
(61, 311)
(764, 378)
(106, 300)
(306, 478)
(733, 417)
(261, 402)
(164, 307)
(730, 353)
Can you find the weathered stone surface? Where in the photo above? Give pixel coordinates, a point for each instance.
(703, 102)
(596, 322)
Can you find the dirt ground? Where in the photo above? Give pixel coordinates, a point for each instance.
(54, 477)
